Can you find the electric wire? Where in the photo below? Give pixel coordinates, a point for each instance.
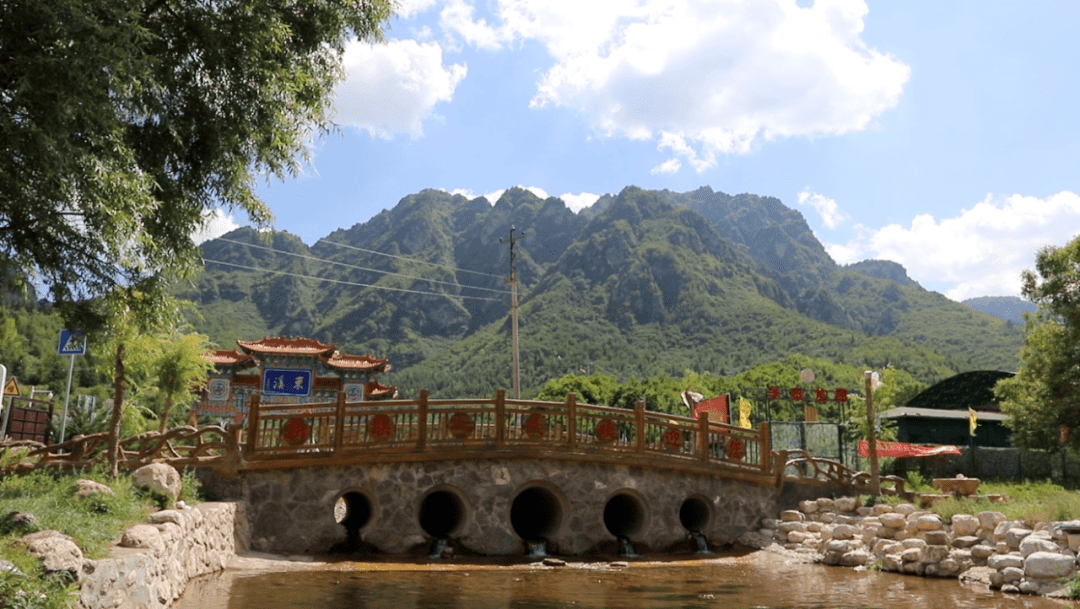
(456, 270)
(351, 283)
(364, 268)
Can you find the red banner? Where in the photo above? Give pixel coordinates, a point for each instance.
(718, 404)
(903, 449)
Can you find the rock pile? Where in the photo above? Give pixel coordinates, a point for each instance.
(1013, 556)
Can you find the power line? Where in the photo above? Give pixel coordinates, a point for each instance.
(364, 268)
(352, 283)
(457, 270)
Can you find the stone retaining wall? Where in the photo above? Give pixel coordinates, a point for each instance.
(155, 561)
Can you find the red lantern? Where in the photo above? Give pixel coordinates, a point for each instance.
(821, 395)
(797, 394)
(841, 395)
(774, 393)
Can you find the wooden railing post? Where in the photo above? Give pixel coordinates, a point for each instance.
(339, 423)
(765, 433)
(703, 429)
(571, 420)
(639, 421)
(422, 421)
(500, 418)
(253, 424)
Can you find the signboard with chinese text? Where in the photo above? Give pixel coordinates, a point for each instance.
(286, 382)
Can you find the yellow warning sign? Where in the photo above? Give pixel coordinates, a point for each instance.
(11, 388)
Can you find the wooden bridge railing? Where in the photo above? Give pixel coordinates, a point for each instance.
(426, 428)
(296, 435)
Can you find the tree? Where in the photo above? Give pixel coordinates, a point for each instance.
(1045, 393)
(124, 123)
(178, 366)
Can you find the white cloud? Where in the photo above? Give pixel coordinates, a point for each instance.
(578, 202)
(215, 224)
(827, 208)
(669, 166)
(393, 87)
(411, 8)
(701, 77)
(980, 252)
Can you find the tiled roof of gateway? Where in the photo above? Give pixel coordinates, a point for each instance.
(286, 346)
(344, 361)
(376, 390)
(222, 357)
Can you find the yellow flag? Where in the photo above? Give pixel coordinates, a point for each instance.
(973, 420)
(744, 412)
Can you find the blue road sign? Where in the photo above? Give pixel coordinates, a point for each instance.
(72, 343)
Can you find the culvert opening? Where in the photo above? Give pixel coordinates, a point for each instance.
(441, 514)
(353, 511)
(694, 514)
(536, 514)
(624, 515)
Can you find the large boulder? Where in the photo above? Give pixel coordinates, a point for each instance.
(1049, 565)
(87, 488)
(58, 552)
(142, 536)
(159, 477)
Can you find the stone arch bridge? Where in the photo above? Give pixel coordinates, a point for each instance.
(487, 476)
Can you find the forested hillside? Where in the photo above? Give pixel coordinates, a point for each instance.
(641, 283)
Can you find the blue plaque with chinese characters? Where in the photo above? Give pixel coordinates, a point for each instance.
(286, 382)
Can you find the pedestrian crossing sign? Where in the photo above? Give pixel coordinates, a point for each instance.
(72, 343)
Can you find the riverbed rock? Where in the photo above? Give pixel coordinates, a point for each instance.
(1014, 536)
(1049, 565)
(990, 519)
(845, 504)
(964, 525)
(1034, 543)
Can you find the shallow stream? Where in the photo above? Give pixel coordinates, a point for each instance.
(732, 581)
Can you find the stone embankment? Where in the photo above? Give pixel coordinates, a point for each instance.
(153, 563)
(1012, 556)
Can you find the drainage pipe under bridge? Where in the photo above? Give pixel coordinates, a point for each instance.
(492, 507)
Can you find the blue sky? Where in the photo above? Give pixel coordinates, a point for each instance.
(941, 135)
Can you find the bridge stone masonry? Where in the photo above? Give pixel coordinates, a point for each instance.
(489, 476)
(494, 507)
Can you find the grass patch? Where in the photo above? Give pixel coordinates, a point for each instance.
(94, 522)
(1030, 500)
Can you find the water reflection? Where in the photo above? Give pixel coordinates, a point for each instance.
(753, 581)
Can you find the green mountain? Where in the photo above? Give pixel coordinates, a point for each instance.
(642, 283)
(1009, 308)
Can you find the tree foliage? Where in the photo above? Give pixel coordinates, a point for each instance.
(125, 122)
(1045, 393)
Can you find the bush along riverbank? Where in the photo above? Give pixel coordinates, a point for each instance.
(59, 532)
(987, 547)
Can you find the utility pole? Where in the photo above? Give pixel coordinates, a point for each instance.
(875, 479)
(514, 310)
